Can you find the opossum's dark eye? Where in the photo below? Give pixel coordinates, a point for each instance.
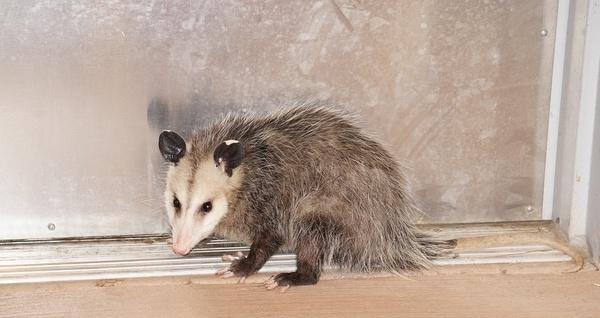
(176, 204)
(206, 207)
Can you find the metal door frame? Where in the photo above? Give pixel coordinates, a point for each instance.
(556, 94)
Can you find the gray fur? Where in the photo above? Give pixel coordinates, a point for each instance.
(309, 172)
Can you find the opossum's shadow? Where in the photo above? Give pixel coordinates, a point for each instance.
(199, 112)
(184, 118)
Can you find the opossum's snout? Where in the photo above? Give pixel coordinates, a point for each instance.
(180, 246)
(180, 249)
(183, 242)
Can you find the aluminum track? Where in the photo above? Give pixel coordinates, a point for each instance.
(151, 256)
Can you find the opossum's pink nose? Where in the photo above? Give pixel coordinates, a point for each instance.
(180, 250)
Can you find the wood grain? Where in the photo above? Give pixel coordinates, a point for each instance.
(466, 292)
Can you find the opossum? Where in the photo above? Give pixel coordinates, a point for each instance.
(305, 179)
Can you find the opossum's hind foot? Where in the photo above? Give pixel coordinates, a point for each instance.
(272, 284)
(286, 280)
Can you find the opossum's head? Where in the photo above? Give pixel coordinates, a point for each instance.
(198, 187)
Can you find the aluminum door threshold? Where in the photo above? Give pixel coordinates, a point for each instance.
(151, 256)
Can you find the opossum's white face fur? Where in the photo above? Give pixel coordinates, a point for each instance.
(196, 194)
(195, 207)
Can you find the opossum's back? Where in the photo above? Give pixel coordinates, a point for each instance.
(339, 168)
(352, 167)
(326, 136)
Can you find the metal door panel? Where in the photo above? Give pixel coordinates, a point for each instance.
(458, 90)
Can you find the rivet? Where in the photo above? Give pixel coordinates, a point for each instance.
(544, 32)
(51, 226)
(529, 208)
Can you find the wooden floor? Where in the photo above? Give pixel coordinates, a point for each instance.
(461, 291)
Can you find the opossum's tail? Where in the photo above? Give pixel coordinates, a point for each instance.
(414, 252)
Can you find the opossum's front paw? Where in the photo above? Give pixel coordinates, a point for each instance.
(232, 258)
(240, 267)
(225, 273)
(285, 280)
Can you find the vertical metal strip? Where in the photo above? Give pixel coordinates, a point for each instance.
(585, 126)
(560, 43)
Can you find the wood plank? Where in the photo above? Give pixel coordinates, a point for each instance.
(476, 292)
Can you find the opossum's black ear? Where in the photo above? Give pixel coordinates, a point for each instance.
(228, 156)
(171, 145)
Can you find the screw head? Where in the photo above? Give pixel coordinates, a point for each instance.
(51, 226)
(529, 208)
(544, 32)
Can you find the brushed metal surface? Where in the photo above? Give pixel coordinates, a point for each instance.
(85, 258)
(65, 261)
(459, 92)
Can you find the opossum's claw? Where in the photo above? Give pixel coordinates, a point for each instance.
(270, 279)
(227, 273)
(272, 283)
(234, 268)
(222, 271)
(230, 258)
